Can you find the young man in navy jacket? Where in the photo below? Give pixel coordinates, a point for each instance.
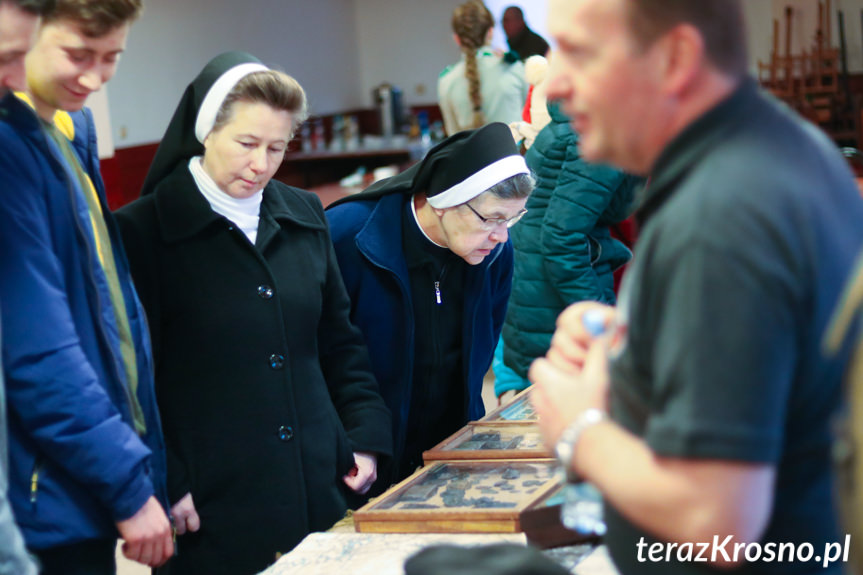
(86, 449)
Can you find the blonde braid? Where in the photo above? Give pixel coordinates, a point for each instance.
(471, 22)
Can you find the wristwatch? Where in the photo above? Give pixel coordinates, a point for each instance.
(565, 446)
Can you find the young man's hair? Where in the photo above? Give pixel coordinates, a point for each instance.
(96, 18)
(37, 7)
(720, 23)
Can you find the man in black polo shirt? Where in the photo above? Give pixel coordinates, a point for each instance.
(716, 451)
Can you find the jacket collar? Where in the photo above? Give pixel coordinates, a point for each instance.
(76, 126)
(18, 114)
(380, 238)
(62, 120)
(184, 212)
(692, 144)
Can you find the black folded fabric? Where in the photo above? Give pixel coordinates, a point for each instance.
(500, 559)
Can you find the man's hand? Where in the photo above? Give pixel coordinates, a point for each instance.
(147, 535)
(563, 390)
(363, 473)
(185, 515)
(572, 338)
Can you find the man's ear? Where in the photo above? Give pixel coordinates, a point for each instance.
(683, 58)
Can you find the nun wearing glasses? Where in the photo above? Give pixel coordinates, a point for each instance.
(271, 413)
(427, 262)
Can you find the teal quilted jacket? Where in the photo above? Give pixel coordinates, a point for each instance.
(564, 252)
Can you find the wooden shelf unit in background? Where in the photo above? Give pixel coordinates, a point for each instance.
(813, 82)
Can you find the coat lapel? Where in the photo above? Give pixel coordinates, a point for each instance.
(283, 207)
(182, 209)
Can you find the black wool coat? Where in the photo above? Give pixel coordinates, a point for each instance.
(263, 383)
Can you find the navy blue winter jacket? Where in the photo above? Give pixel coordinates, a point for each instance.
(76, 464)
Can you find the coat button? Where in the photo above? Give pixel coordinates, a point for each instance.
(265, 291)
(286, 433)
(277, 361)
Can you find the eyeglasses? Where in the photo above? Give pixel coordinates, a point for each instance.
(489, 224)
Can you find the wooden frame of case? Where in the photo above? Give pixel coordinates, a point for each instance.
(451, 448)
(396, 511)
(519, 410)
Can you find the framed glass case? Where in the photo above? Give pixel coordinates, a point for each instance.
(519, 409)
(460, 497)
(491, 441)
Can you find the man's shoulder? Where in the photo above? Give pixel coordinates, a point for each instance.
(21, 157)
(17, 122)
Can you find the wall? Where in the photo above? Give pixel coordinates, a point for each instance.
(406, 43)
(392, 48)
(409, 42)
(340, 49)
(315, 41)
(759, 22)
(98, 103)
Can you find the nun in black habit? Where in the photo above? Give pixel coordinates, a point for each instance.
(269, 407)
(428, 263)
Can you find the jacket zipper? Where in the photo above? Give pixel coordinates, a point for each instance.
(437, 283)
(34, 480)
(92, 276)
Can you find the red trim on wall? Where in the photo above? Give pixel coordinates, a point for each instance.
(124, 174)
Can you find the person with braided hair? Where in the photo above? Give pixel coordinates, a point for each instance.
(483, 87)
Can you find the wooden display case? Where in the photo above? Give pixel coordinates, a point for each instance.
(508, 440)
(519, 410)
(460, 497)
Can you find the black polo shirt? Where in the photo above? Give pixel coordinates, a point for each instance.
(438, 392)
(749, 228)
